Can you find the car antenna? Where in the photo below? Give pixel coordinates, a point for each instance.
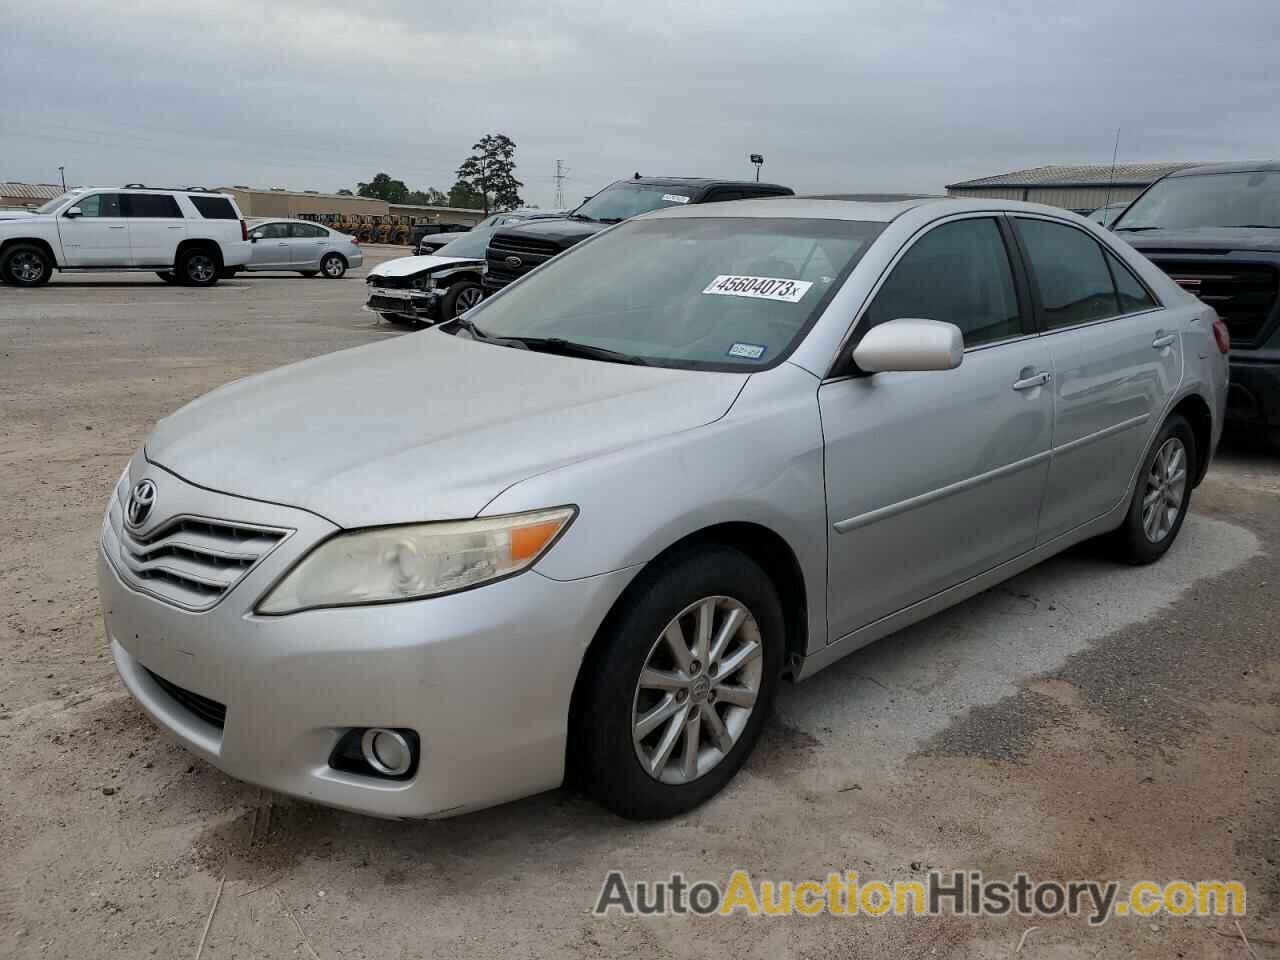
(1112, 178)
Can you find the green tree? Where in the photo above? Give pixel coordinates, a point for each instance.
(430, 197)
(462, 195)
(489, 173)
(382, 187)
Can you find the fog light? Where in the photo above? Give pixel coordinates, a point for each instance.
(386, 751)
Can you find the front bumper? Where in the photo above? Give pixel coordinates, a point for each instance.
(483, 676)
(420, 304)
(1254, 394)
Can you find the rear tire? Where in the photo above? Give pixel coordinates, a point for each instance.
(333, 266)
(198, 267)
(1160, 497)
(704, 706)
(26, 265)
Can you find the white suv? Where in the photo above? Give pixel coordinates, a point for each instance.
(189, 236)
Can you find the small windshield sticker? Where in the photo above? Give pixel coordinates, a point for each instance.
(675, 198)
(759, 288)
(747, 351)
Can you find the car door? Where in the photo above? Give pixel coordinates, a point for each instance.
(271, 248)
(306, 244)
(1117, 362)
(935, 477)
(156, 227)
(98, 236)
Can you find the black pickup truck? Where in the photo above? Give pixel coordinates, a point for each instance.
(1216, 231)
(514, 251)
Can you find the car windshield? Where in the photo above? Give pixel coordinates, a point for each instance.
(1208, 200)
(691, 292)
(53, 204)
(625, 200)
(471, 244)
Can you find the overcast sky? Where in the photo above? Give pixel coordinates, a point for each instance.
(839, 96)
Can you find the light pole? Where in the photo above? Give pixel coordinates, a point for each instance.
(63, 175)
(758, 160)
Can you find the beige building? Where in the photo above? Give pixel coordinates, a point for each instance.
(311, 205)
(1082, 187)
(15, 194)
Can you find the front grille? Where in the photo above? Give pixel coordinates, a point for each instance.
(1244, 294)
(210, 711)
(391, 283)
(190, 562)
(503, 245)
(395, 304)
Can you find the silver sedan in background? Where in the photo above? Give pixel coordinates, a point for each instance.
(301, 246)
(704, 450)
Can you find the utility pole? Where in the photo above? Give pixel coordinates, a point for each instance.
(62, 173)
(758, 160)
(562, 173)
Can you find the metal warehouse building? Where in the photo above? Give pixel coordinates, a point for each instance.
(15, 194)
(1081, 188)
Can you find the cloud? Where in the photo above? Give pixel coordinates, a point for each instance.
(837, 95)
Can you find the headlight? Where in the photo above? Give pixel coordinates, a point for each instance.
(421, 560)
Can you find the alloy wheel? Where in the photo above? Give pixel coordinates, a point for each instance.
(1166, 484)
(26, 266)
(201, 268)
(333, 267)
(697, 690)
(466, 299)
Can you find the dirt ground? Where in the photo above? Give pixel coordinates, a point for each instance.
(1080, 721)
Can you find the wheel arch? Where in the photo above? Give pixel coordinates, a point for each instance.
(763, 545)
(44, 245)
(198, 243)
(1195, 410)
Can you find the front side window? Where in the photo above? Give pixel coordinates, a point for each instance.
(272, 231)
(958, 273)
(1207, 200)
(150, 205)
(1073, 279)
(100, 205)
(712, 293)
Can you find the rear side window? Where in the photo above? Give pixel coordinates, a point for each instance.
(306, 230)
(1133, 295)
(150, 205)
(214, 208)
(958, 273)
(1072, 276)
(100, 205)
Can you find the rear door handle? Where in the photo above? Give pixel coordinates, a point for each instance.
(179, 226)
(1163, 340)
(120, 227)
(1036, 380)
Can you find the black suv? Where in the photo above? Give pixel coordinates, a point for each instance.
(514, 251)
(1216, 231)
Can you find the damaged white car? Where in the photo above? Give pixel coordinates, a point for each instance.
(429, 289)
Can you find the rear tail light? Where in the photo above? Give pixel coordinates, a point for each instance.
(1222, 335)
(244, 229)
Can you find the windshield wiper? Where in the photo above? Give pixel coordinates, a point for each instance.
(1253, 226)
(568, 348)
(582, 216)
(1136, 229)
(463, 323)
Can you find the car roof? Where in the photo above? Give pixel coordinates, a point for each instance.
(700, 182)
(1246, 166)
(807, 208)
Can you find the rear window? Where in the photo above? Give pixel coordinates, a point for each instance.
(214, 208)
(150, 205)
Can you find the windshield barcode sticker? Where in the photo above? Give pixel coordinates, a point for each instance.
(675, 198)
(759, 288)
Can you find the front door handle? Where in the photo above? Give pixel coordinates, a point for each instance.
(1163, 340)
(120, 227)
(1035, 380)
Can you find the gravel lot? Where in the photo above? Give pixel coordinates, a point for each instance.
(1081, 721)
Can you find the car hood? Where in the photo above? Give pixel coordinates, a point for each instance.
(1204, 238)
(565, 233)
(427, 426)
(407, 266)
(22, 215)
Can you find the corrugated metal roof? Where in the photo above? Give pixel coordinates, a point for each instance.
(1086, 174)
(30, 191)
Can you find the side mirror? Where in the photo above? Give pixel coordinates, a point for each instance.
(910, 344)
(255, 236)
(74, 212)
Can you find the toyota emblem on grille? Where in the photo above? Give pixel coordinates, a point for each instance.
(141, 500)
(514, 261)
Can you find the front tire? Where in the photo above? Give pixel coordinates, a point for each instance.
(1160, 497)
(460, 298)
(680, 683)
(26, 265)
(333, 266)
(198, 267)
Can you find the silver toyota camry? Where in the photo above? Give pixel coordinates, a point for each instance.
(708, 450)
